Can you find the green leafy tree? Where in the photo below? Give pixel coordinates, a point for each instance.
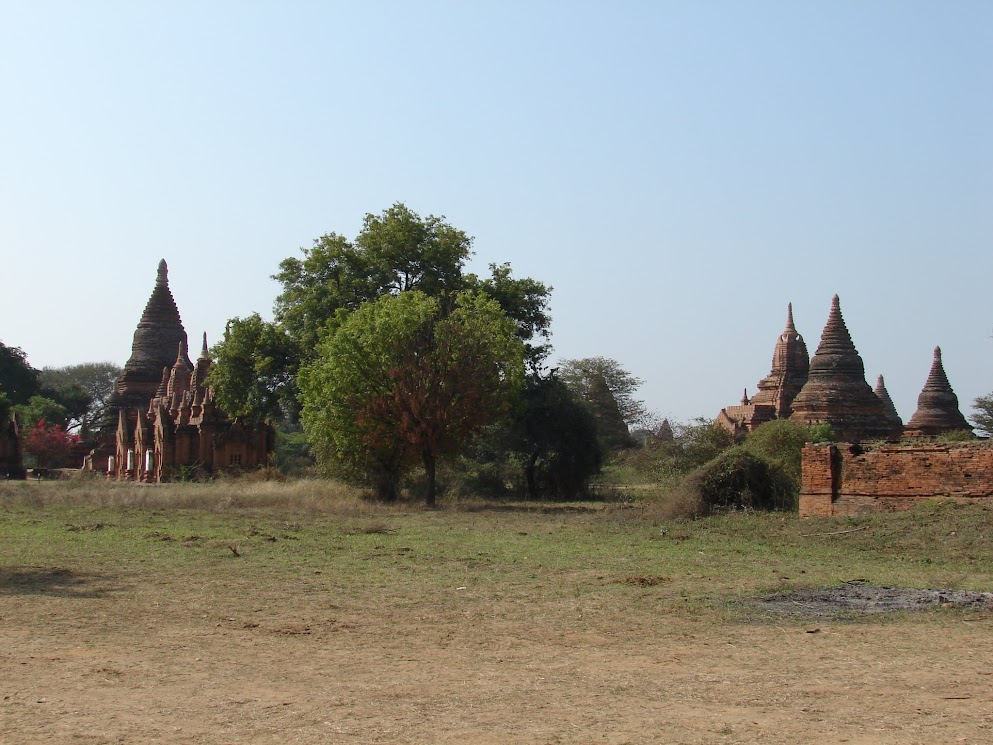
(401, 380)
(589, 376)
(41, 409)
(83, 389)
(17, 378)
(253, 369)
(396, 251)
(557, 436)
(526, 302)
(983, 415)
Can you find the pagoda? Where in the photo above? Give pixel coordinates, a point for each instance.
(836, 392)
(937, 406)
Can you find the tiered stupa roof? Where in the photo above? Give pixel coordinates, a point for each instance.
(884, 395)
(937, 406)
(790, 366)
(836, 391)
(156, 339)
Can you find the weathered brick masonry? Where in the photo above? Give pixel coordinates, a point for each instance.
(848, 478)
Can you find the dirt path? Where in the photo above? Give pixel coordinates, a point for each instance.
(182, 660)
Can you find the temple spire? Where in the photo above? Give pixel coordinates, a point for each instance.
(204, 353)
(937, 405)
(836, 391)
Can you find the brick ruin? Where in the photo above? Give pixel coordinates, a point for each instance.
(162, 417)
(11, 462)
(849, 478)
(831, 389)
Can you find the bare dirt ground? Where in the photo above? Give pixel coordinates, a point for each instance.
(138, 656)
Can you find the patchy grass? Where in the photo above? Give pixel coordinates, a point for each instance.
(301, 612)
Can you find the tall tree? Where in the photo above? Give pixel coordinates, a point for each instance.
(17, 378)
(525, 301)
(396, 251)
(82, 388)
(557, 435)
(253, 369)
(401, 379)
(587, 376)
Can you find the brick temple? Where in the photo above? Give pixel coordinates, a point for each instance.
(830, 388)
(163, 417)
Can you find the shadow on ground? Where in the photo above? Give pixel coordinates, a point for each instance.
(56, 582)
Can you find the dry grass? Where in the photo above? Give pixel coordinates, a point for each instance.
(304, 496)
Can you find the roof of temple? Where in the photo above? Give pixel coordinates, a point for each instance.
(836, 391)
(937, 405)
(790, 366)
(158, 335)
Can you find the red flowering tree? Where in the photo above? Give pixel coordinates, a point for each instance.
(49, 445)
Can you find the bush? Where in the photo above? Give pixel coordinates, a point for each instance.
(734, 480)
(780, 443)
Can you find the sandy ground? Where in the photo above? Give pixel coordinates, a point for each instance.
(139, 659)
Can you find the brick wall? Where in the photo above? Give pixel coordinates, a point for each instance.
(848, 478)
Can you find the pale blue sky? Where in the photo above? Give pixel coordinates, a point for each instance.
(678, 171)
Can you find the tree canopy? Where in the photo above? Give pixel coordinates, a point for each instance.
(587, 376)
(982, 417)
(17, 378)
(253, 369)
(401, 379)
(83, 390)
(396, 251)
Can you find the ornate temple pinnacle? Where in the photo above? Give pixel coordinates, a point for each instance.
(789, 317)
(162, 277)
(204, 353)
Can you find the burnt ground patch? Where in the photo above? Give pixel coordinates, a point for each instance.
(855, 600)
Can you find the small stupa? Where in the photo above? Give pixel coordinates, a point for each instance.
(937, 406)
(884, 395)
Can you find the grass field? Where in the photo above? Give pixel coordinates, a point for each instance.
(298, 612)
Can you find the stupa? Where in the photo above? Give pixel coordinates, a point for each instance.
(836, 392)
(884, 395)
(937, 406)
(159, 333)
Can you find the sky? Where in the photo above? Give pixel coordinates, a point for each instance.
(677, 171)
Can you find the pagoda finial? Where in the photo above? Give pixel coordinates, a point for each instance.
(204, 354)
(162, 277)
(789, 316)
(744, 398)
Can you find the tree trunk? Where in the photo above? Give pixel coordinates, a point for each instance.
(529, 474)
(429, 468)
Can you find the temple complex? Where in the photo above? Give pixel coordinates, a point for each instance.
(836, 392)
(167, 422)
(937, 406)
